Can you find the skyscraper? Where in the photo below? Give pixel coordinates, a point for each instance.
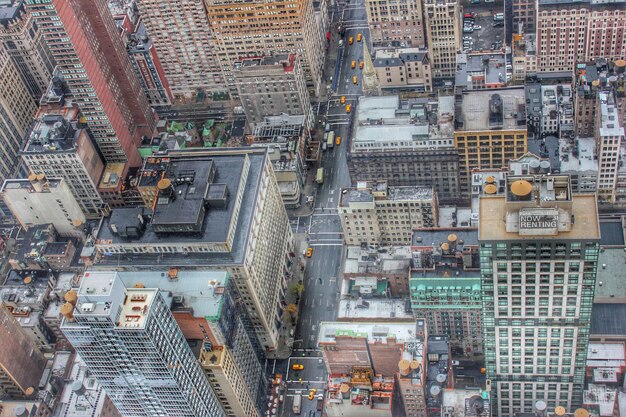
(17, 109)
(539, 247)
(26, 46)
(266, 28)
(179, 30)
(443, 31)
(84, 41)
(395, 21)
(132, 345)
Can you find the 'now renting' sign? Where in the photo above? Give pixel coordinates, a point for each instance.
(536, 222)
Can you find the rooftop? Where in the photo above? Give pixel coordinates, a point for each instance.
(286, 61)
(610, 286)
(370, 260)
(72, 405)
(372, 331)
(54, 133)
(610, 123)
(421, 123)
(502, 108)
(608, 319)
(491, 68)
(136, 306)
(602, 397)
(25, 184)
(229, 168)
(375, 309)
(201, 290)
(606, 351)
(368, 192)
(466, 402)
(112, 176)
(612, 233)
(397, 57)
(9, 9)
(434, 237)
(538, 206)
(578, 155)
(24, 291)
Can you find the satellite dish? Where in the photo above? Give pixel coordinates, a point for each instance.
(435, 390)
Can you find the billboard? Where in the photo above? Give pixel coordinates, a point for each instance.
(538, 222)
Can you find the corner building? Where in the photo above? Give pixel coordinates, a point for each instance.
(539, 247)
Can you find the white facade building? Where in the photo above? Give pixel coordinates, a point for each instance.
(132, 345)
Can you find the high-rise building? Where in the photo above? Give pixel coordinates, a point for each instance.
(21, 361)
(490, 130)
(17, 109)
(391, 21)
(25, 45)
(594, 29)
(539, 246)
(273, 85)
(445, 286)
(217, 326)
(524, 16)
(179, 30)
(609, 137)
(59, 145)
(374, 213)
(215, 209)
(406, 142)
(443, 31)
(132, 345)
(256, 28)
(84, 41)
(42, 200)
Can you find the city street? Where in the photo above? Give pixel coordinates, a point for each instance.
(323, 230)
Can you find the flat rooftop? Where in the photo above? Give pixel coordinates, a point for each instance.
(434, 237)
(136, 307)
(493, 211)
(610, 279)
(608, 319)
(228, 170)
(475, 111)
(607, 351)
(372, 331)
(583, 160)
(112, 176)
(376, 310)
(612, 233)
(202, 290)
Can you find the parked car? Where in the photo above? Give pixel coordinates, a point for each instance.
(477, 27)
(309, 252)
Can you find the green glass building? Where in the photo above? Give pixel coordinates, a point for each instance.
(539, 247)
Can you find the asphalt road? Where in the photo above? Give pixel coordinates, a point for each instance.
(323, 270)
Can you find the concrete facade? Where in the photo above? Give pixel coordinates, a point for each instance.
(376, 213)
(238, 35)
(24, 43)
(395, 22)
(443, 31)
(271, 86)
(18, 110)
(402, 68)
(41, 200)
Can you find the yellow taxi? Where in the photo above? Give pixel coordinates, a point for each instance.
(355, 80)
(353, 64)
(309, 252)
(361, 65)
(312, 393)
(297, 367)
(350, 40)
(359, 37)
(348, 108)
(337, 140)
(343, 99)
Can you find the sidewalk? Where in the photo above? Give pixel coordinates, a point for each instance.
(285, 340)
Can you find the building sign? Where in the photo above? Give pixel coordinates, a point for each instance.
(537, 222)
(145, 73)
